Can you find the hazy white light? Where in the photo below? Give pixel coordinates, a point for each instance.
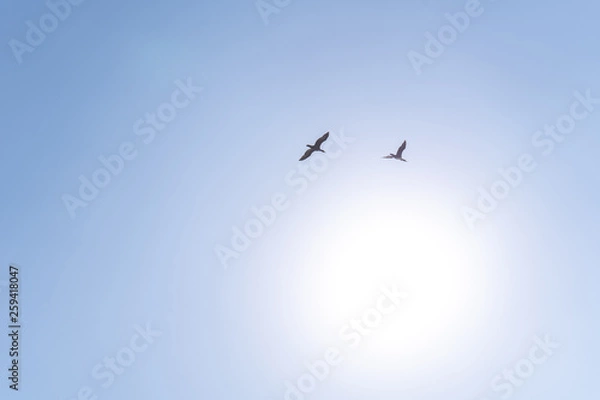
(424, 253)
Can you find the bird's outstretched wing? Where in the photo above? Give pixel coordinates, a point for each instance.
(401, 149)
(307, 154)
(322, 140)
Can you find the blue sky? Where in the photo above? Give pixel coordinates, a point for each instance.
(143, 250)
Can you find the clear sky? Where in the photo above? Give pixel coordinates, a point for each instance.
(142, 250)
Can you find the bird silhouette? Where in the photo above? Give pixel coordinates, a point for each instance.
(315, 147)
(398, 155)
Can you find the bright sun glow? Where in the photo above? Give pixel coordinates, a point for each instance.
(425, 254)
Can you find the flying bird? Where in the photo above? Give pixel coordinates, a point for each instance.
(315, 147)
(398, 155)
